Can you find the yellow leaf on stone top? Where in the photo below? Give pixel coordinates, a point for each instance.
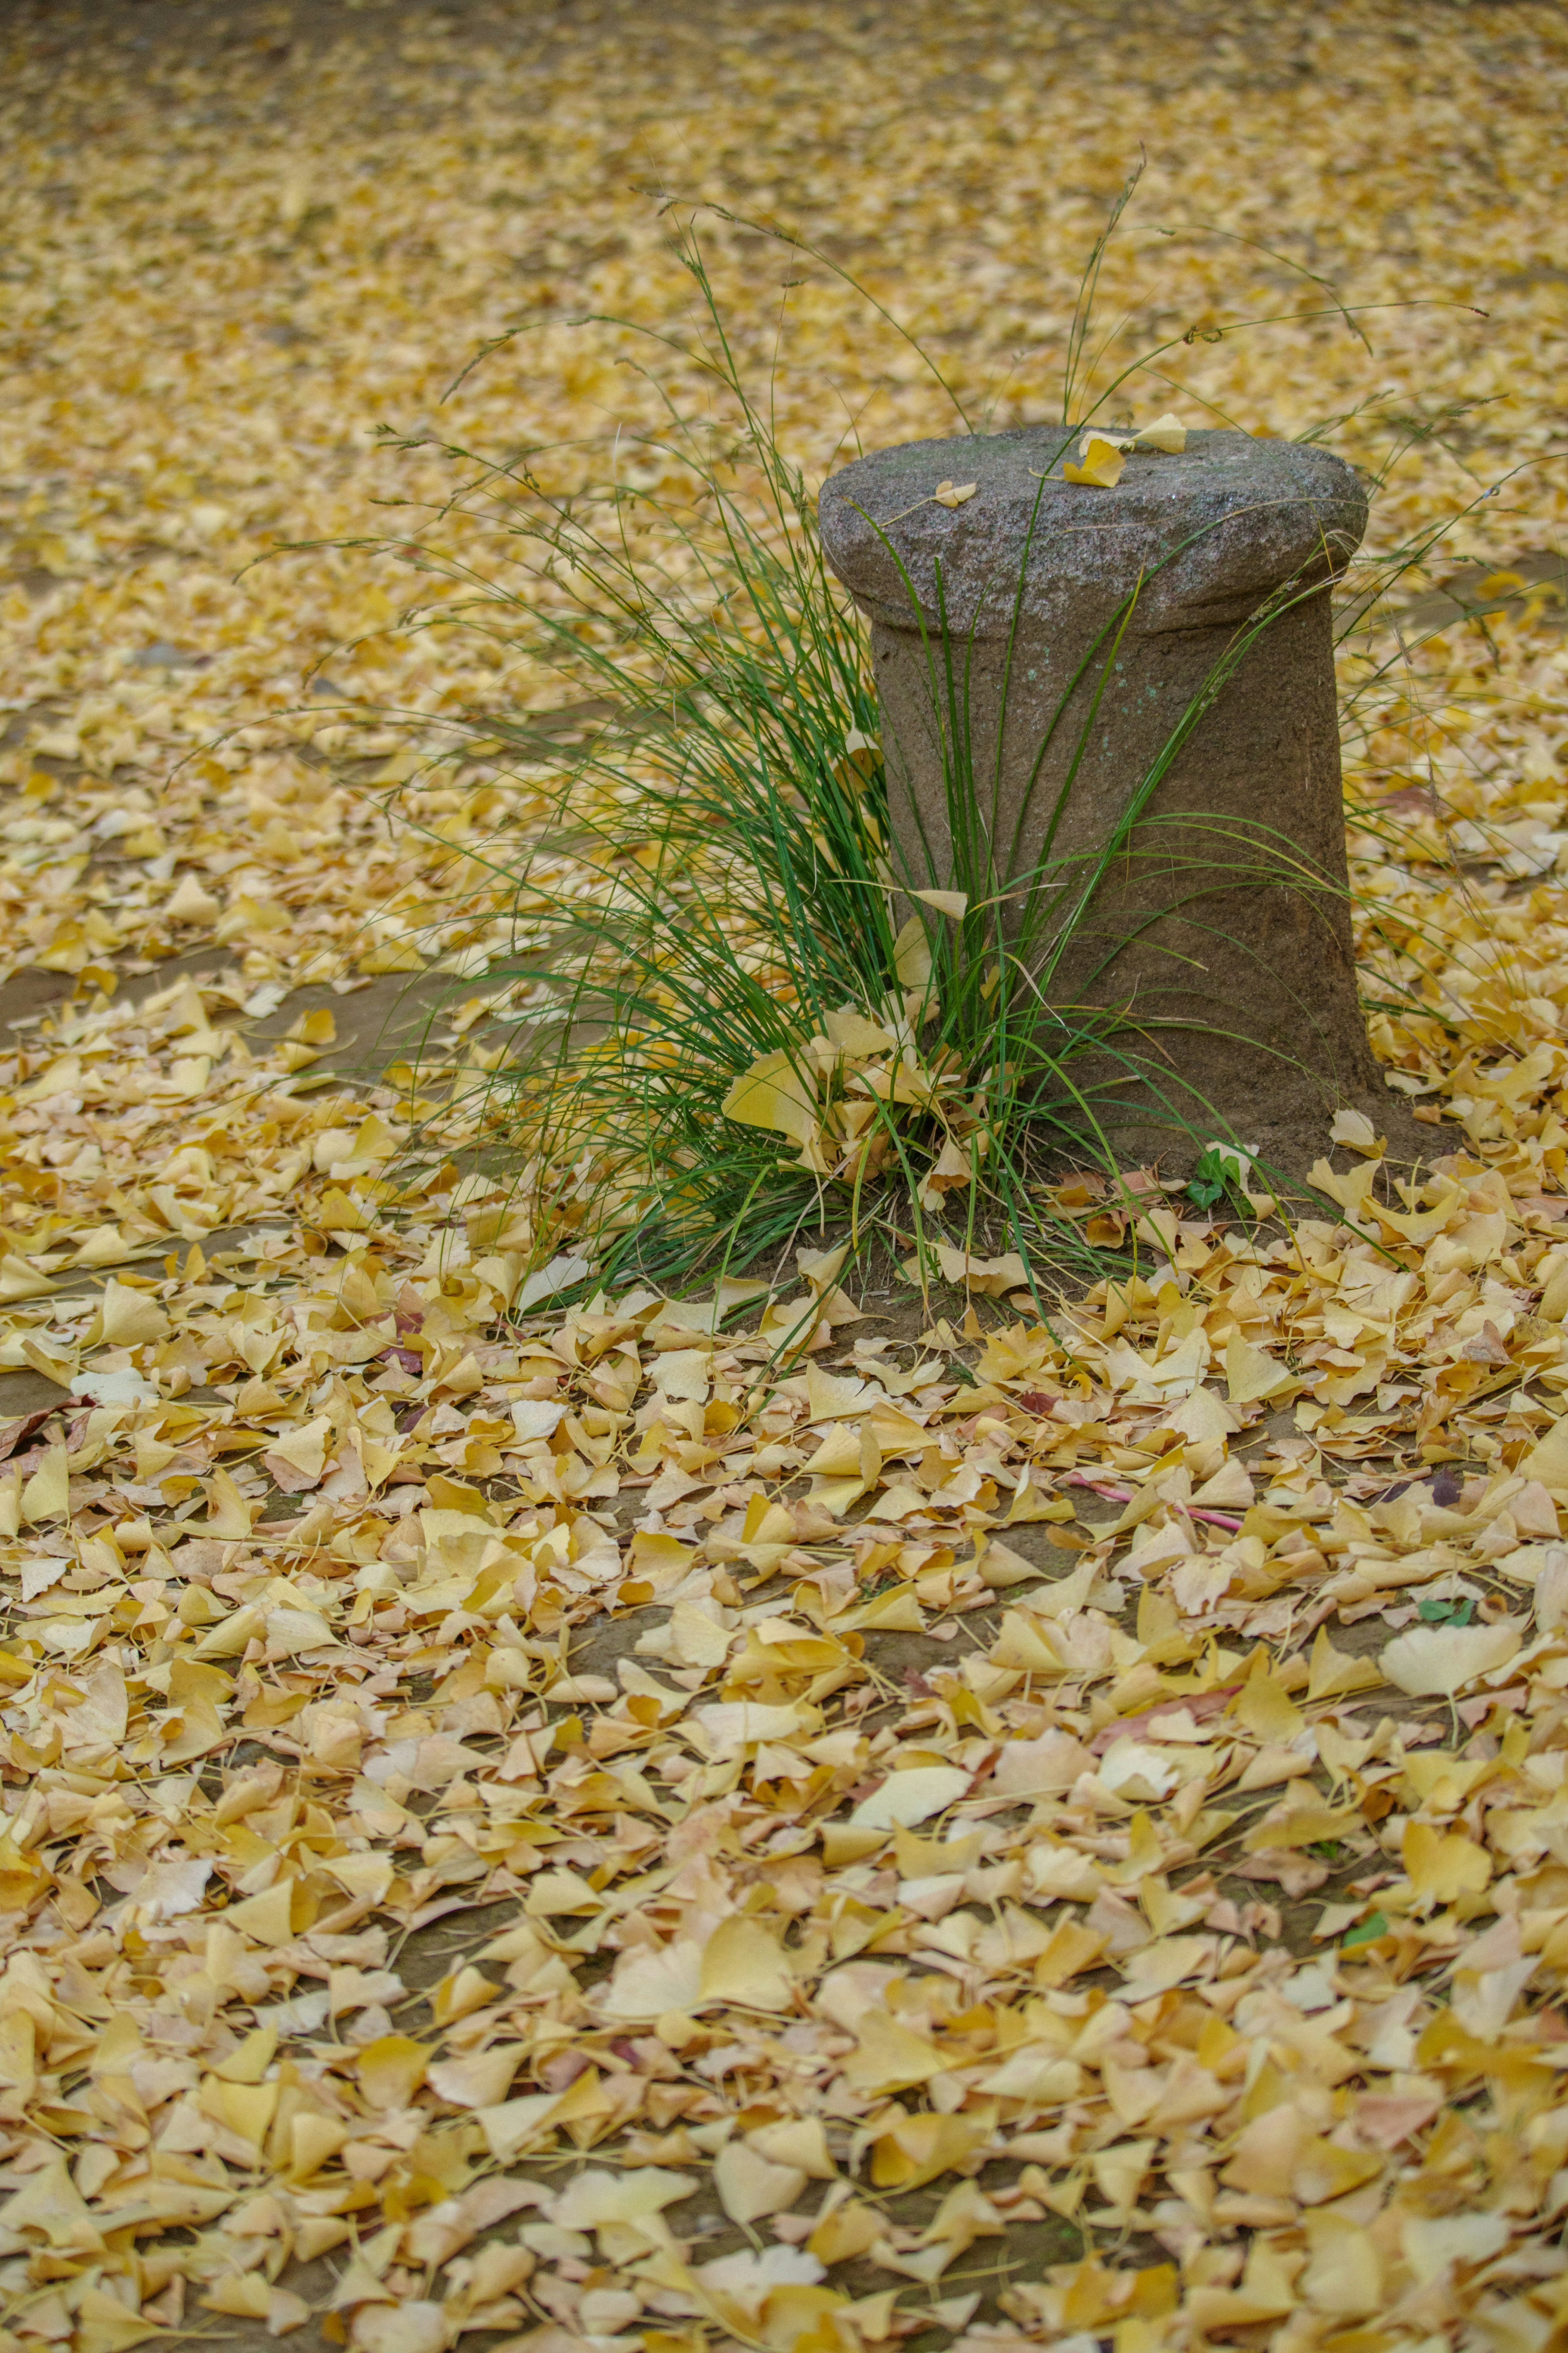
(1103, 462)
(953, 494)
(1167, 433)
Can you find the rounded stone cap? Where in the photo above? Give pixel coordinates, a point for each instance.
(1210, 532)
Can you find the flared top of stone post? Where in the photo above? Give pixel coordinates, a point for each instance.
(1209, 532)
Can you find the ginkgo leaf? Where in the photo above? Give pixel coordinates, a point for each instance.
(596, 2197)
(774, 1093)
(742, 1962)
(853, 1033)
(750, 2185)
(890, 2057)
(946, 902)
(912, 954)
(911, 1796)
(1547, 1460)
(1443, 1865)
(130, 1317)
(911, 2150)
(1251, 1375)
(989, 1276)
(1438, 1661)
(1167, 433)
(1354, 1128)
(1103, 462)
(649, 1983)
(953, 494)
(797, 2141)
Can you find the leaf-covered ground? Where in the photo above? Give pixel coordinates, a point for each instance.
(552, 1824)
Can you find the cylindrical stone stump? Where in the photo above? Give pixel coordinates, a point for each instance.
(1080, 673)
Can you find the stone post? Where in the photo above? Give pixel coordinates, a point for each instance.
(1220, 929)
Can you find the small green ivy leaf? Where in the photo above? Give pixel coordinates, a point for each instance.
(1212, 1179)
(1435, 1613)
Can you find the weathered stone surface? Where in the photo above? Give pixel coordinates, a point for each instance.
(1221, 928)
